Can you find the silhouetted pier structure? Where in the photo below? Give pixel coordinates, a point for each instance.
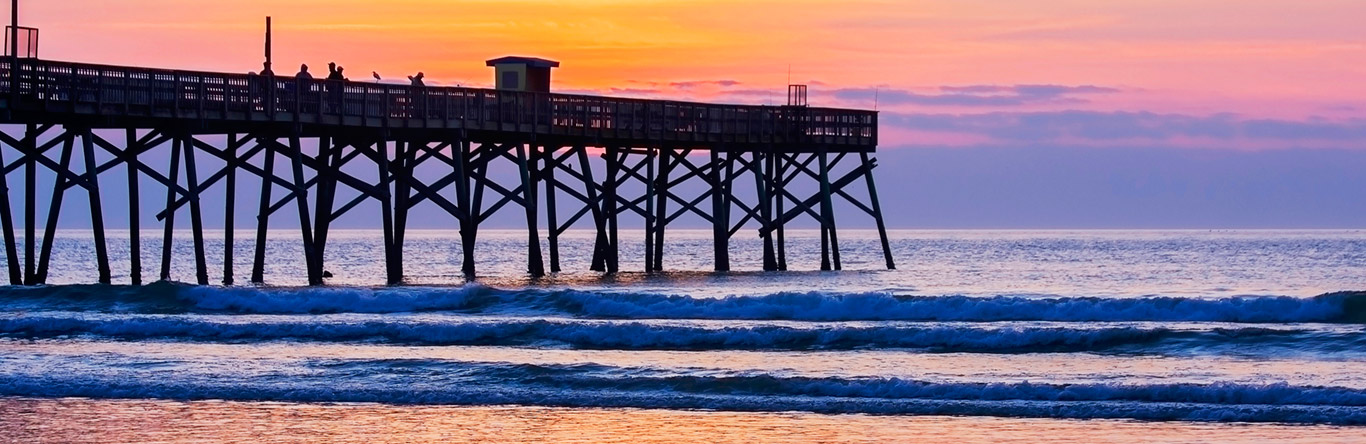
(272, 123)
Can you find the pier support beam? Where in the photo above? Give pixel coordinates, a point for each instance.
(96, 209)
(311, 258)
(16, 273)
(263, 212)
(829, 240)
(131, 149)
(229, 209)
(614, 159)
(877, 210)
(720, 206)
(168, 224)
(393, 258)
(535, 261)
(550, 163)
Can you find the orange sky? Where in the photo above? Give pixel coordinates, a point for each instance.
(1256, 58)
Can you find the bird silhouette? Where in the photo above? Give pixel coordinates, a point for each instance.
(376, 75)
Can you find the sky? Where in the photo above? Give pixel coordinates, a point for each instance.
(1204, 113)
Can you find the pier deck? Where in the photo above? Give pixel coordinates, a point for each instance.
(321, 132)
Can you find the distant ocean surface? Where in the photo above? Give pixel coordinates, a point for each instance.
(978, 336)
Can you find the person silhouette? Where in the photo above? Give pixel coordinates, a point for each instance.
(417, 79)
(333, 71)
(303, 72)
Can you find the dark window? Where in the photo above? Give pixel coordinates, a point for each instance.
(511, 81)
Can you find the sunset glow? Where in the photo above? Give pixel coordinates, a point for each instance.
(1228, 62)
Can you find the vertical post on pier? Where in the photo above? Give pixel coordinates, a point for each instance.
(229, 207)
(96, 209)
(469, 233)
(548, 169)
(168, 224)
(610, 208)
(130, 150)
(650, 220)
(599, 261)
(535, 262)
(50, 232)
(467, 216)
(16, 275)
(666, 163)
(268, 61)
(30, 148)
(301, 200)
(329, 166)
(263, 212)
(763, 184)
(14, 51)
(877, 209)
(201, 263)
(779, 172)
(827, 215)
(402, 188)
(393, 275)
(720, 227)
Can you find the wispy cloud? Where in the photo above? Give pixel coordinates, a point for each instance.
(724, 83)
(976, 95)
(1042, 128)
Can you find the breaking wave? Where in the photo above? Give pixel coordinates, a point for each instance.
(1341, 307)
(590, 385)
(695, 335)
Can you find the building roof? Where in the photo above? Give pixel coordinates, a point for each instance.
(528, 61)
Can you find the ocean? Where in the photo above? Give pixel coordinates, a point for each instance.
(977, 336)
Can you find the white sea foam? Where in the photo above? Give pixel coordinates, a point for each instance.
(594, 386)
(692, 335)
(1347, 307)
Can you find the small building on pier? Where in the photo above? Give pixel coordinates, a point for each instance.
(529, 74)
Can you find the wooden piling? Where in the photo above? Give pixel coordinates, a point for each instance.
(720, 199)
(662, 193)
(131, 149)
(610, 208)
(392, 262)
(651, 219)
(263, 213)
(595, 203)
(301, 200)
(762, 185)
(229, 208)
(780, 224)
(201, 262)
(30, 152)
(828, 215)
(548, 167)
(168, 224)
(461, 151)
(877, 210)
(16, 273)
(535, 262)
(96, 209)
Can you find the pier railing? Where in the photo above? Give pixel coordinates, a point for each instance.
(90, 89)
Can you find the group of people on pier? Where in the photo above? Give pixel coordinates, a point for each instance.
(334, 72)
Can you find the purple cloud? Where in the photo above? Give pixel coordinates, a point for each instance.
(724, 83)
(976, 95)
(1042, 127)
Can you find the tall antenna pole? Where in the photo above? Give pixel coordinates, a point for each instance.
(14, 30)
(13, 50)
(268, 68)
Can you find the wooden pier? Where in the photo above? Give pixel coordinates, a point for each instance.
(300, 137)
